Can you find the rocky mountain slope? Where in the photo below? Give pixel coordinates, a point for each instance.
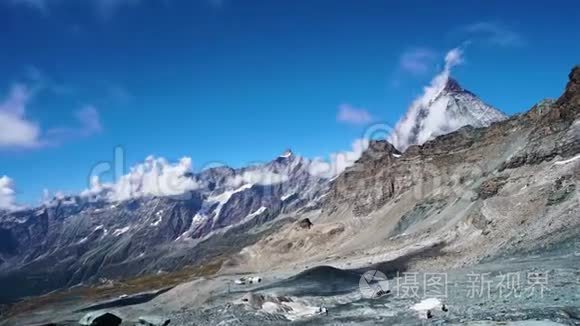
(474, 194)
(461, 198)
(90, 237)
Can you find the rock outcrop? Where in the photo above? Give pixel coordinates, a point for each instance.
(305, 224)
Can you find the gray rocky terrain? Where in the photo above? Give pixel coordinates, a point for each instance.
(493, 207)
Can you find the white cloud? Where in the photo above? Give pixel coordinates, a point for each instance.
(89, 124)
(352, 115)
(417, 61)
(90, 119)
(338, 161)
(154, 177)
(15, 129)
(406, 127)
(493, 33)
(7, 194)
(18, 131)
(453, 58)
(259, 177)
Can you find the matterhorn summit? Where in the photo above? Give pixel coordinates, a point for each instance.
(444, 107)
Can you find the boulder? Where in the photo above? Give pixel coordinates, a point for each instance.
(305, 223)
(100, 319)
(154, 321)
(255, 300)
(491, 187)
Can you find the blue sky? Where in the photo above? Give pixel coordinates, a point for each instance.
(237, 82)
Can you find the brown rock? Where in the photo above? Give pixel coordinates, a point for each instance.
(571, 95)
(305, 224)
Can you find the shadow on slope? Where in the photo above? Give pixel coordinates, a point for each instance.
(329, 281)
(128, 301)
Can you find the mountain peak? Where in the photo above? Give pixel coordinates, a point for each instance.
(287, 153)
(440, 111)
(452, 86)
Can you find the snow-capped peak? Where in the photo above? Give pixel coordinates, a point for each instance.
(452, 86)
(444, 107)
(287, 154)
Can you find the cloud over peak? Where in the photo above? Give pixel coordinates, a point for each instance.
(7, 194)
(154, 177)
(401, 137)
(338, 161)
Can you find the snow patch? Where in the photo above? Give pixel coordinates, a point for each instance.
(300, 310)
(427, 304)
(250, 216)
(159, 218)
(293, 310)
(258, 211)
(568, 160)
(283, 198)
(196, 221)
(224, 197)
(286, 154)
(158, 221)
(121, 231)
